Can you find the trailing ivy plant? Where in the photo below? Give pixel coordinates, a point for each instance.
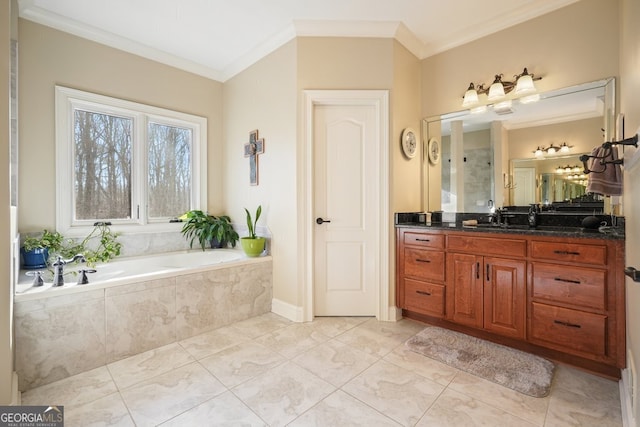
(50, 240)
(100, 245)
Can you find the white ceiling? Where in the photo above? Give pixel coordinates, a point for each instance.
(219, 38)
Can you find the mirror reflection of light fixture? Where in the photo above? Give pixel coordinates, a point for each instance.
(570, 170)
(523, 88)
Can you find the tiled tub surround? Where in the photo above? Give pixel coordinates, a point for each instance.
(62, 334)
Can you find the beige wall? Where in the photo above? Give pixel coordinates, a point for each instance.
(630, 107)
(406, 191)
(572, 45)
(566, 47)
(583, 135)
(344, 63)
(49, 57)
(6, 297)
(264, 97)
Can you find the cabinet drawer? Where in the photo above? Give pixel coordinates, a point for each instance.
(572, 252)
(435, 241)
(487, 245)
(425, 298)
(585, 287)
(575, 331)
(424, 264)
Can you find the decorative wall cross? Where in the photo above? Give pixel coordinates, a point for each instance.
(254, 147)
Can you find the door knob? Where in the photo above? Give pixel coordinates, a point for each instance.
(320, 221)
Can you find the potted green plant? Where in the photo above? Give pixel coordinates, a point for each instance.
(253, 245)
(35, 249)
(215, 230)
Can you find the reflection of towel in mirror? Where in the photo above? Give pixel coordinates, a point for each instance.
(605, 179)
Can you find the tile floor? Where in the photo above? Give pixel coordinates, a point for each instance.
(330, 372)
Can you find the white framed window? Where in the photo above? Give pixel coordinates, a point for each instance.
(133, 165)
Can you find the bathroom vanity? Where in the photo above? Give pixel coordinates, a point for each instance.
(558, 293)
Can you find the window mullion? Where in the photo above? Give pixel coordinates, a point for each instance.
(139, 198)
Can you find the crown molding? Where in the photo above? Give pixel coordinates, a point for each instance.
(254, 55)
(494, 25)
(298, 28)
(374, 29)
(55, 21)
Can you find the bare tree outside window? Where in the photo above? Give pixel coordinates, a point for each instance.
(102, 166)
(169, 168)
(135, 165)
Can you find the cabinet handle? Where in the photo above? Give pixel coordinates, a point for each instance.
(422, 260)
(570, 325)
(560, 279)
(477, 270)
(424, 293)
(423, 240)
(488, 273)
(566, 252)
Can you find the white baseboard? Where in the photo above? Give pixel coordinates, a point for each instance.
(295, 313)
(16, 396)
(286, 310)
(626, 406)
(395, 314)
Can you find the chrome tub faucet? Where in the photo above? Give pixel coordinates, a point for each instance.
(58, 268)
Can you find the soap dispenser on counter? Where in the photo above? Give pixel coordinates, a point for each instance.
(532, 217)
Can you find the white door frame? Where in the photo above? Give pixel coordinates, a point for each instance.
(380, 100)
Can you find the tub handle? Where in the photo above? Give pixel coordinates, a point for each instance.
(37, 278)
(82, 278)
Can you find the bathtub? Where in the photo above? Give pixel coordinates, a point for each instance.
(133, 305)
(122, 271)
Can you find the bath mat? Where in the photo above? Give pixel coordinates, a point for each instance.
(517, 370)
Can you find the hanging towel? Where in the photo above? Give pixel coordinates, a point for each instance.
(605, 179)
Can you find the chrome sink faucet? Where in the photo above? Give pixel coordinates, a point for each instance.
(58, 268)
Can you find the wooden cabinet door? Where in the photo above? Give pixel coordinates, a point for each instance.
(464, 289)
(505, 296)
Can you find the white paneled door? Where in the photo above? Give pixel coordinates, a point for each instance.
(346, 194)
(525, 182)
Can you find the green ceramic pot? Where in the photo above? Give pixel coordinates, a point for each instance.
(253, 247)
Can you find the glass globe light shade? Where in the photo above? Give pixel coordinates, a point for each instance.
(470, 97)
(525, 85)
(496, 91)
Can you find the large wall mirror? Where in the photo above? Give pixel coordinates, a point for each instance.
(490, 159)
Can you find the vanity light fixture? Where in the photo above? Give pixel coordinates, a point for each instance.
(564, 148)
(523, 88)
(551, 149)
(496, 90)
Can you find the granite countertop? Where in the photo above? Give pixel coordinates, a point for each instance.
(605, 233)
